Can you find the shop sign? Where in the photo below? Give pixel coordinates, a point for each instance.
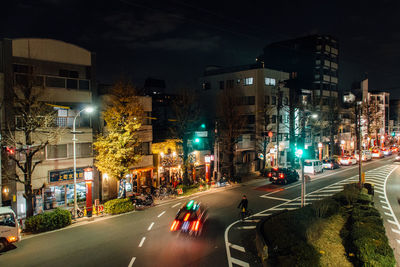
(201, 133)
(65, 175)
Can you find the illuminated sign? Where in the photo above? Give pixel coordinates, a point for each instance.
(65, 175)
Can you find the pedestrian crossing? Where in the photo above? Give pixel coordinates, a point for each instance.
(239, 257)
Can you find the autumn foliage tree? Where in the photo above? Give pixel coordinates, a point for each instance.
(116, 149)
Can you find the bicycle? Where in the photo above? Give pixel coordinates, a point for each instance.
(245, 213)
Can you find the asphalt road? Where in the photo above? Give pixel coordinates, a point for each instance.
(143, 238)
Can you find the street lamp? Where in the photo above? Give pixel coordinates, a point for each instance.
(87, 110)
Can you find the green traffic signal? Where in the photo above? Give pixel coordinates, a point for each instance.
(203, 126)
(197, 140)
(299, 153)
(393, 133)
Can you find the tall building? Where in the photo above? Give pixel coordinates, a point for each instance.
(67, 74)
(258, 88)
(314, 58)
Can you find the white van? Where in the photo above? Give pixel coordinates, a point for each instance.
(313, 166)
(9, 228)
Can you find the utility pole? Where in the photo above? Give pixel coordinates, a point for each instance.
(359, 137)
(278, 108)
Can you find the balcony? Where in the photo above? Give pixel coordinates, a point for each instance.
(54, 82)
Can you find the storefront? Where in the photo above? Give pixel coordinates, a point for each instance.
(60, 190)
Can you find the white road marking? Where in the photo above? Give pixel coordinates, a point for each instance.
(142, 241)
(333, 190)
(320, 195)
(237, 247)
(398, 241)
(151, 225)
(246, 227)
(385, 207)
(177, 204)
(132, 261)
(262, 214)
(248, 221)
(276, 198)
(239, 262)
(283, 208)
(388, 214)
(396, 231)
(392, 222)
(161, 214)
(383, 201)
(382, 197)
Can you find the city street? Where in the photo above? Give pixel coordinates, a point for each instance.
(143, 238)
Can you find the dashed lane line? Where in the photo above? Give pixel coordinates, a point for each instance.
(161, 214)
(142, 241)
(151, 225)
(132, 261)
(177, 204)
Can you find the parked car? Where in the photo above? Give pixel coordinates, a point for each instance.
(347, 160)
(9, 228)
(366, 155)
(377, 154)
(313, 166)
(386, 151)
(283, 175)
(330, 164)
(397, 159)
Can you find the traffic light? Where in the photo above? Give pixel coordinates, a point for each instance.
(10, 150)
(203, 125)
(299, 153)
(197, 140)
(393, 133)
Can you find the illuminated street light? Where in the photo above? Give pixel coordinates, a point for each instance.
(87, 110)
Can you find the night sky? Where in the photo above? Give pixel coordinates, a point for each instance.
(176, 40)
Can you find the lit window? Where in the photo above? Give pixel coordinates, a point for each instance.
(248, 81)
(270, 81)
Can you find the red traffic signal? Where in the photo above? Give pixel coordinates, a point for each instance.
(10, 150)
(270, 134)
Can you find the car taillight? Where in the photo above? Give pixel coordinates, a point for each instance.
(269, 174)
(195, 225)
(174, 225)
(186, 217)
(281, 176)
(11, 239)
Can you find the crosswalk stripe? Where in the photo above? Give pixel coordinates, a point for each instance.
(239, 262)
(237, 247)
(246, 227)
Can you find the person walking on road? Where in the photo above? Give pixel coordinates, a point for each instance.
(243, 206)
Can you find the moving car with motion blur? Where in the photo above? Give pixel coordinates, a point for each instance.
(330, 164)
(366, 155)
(190, 219)
(377, 154)
(347, 160)
(394, 149)
(283, 175)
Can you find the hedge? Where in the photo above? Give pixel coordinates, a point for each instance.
(119, 205)
(48, 221)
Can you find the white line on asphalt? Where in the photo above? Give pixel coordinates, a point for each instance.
(251, 221)
(332, 190)
(151, 225)
(398, 241)
(283, 208)
(319, 195)
(392, 222)
(132, 261)
(387, 208)
(239, 262)
(276, 198)
(261, 214)
(382, 196)
(293, 204)
(237, 247)
(383, 201)
(388, 214)
(161, 214)
(142, 241)
(177, 204)
(246, 227)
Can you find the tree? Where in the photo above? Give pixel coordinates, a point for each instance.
(117, 148)
(33, 130)
(373, 117)
(186, 110)
(231, 123)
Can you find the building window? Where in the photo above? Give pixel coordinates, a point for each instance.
(248, 81)
(83, 150)
(72, 84)
(84, 85)
(270, 81)
(274, 100)
(56, 151)
(280, 119)
(267, 99)
(55, 82)
(143, 148)
(251, 119)
(69, 73)
(229, 83)
(273, 119)
(21, 68)
(147, 118)
(221, 85)
(206, 85)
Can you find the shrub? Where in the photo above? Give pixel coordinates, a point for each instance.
(119, 205)
(325, 207)
(48, 221)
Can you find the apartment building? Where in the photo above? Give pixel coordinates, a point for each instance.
(68, 74)
(258, 88)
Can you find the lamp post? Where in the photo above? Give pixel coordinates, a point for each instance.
(88, 110)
